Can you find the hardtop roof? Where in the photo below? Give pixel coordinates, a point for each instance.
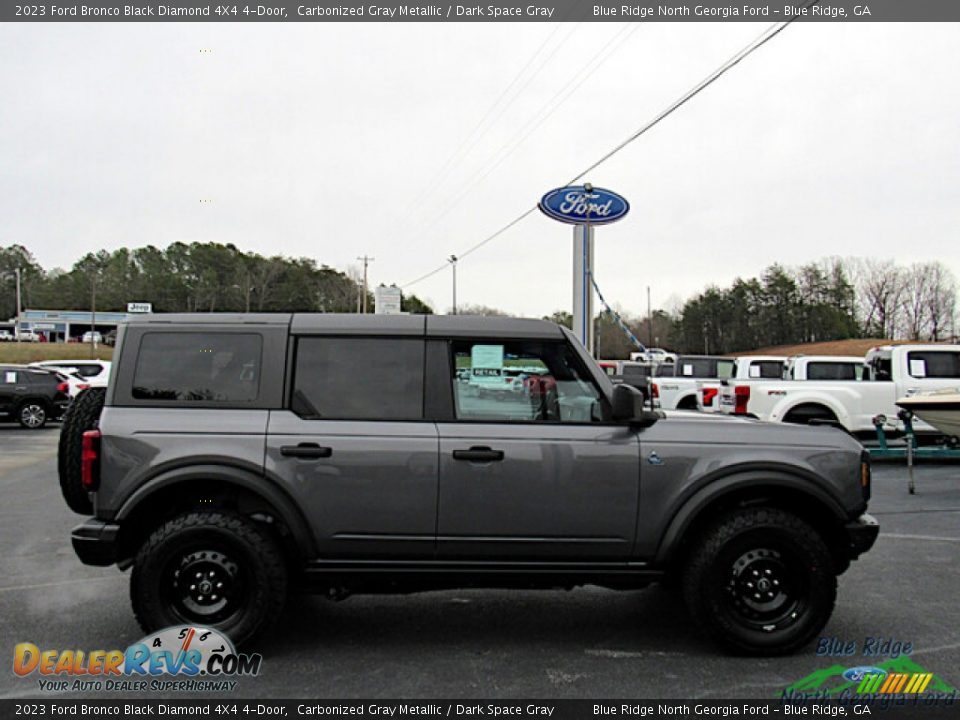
(452, 326)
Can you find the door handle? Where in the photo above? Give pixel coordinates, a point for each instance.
(306, 450)
(478, 454)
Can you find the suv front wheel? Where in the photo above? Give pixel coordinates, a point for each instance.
(210, 569)
(760, 581)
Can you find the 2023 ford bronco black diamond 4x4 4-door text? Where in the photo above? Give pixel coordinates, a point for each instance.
(234, 457)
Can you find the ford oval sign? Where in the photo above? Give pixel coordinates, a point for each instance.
(578, 206)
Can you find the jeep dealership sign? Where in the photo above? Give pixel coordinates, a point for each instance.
(580, 205)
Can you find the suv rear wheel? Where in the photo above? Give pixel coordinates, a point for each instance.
(760, 581)
(32, 415)
(212, 569)
(83, 414)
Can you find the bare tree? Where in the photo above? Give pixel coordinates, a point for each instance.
(880, 288)
(480, 310)
(941, 300)
(915, 302)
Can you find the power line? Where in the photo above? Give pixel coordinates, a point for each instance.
(757, 43)
(748, 50)
(466, 145)
(508, 148)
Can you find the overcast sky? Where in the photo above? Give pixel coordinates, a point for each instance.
(334, 140)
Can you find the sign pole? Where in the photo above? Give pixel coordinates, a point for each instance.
(583, 206)
(582, 290)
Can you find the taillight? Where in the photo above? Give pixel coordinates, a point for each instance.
(741, 396)
(90, 460)
(708, 395)
(83, 386)
(63, 387)
(655, 390)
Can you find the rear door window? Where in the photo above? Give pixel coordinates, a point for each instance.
(832, 371)
(706, 368)
(198, 367)
(767, 369)
(933, 364)
(41, 378)
(358, 379)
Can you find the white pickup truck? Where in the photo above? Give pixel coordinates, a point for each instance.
(745, 367)
(892, 372)
(677, 385)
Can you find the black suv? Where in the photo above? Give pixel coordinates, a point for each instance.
(32, 396)
(233, 457)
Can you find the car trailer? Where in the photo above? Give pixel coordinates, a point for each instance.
(907, 447)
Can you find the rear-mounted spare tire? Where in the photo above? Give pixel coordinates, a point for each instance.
(82, 415)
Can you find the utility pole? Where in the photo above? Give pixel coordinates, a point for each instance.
(453, 263)
(366, 261)
(17, 332)
(93, 314)
(649, 320)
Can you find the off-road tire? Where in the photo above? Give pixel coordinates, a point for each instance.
(82, 414)
(259, 585)
(33, 414)
(722, 562)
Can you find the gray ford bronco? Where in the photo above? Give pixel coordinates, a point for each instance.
(235, 457)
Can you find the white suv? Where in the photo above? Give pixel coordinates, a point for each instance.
(81, 374)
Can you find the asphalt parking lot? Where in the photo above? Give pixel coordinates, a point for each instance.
(490, 644)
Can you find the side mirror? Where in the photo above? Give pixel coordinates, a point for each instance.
(628, 407)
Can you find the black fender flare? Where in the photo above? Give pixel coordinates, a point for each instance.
(735, 481)
(242, 477)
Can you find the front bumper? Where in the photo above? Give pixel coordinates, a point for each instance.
(861, 535)
(95, 542)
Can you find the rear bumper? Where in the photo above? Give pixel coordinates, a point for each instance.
(95, 542)
(861, 535)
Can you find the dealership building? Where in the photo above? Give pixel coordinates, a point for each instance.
(62, 325)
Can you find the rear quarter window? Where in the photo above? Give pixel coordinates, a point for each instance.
(198, 367)
(88, 370)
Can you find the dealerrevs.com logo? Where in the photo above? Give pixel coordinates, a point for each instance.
(179, 658)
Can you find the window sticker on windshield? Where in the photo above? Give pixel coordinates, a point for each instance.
(10, 377)
(486, 356)
(918, 368)
(754, 371)
(688, 370)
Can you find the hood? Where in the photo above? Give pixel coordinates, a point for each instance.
(719, 428)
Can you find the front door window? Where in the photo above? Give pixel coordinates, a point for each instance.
(523, 382)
